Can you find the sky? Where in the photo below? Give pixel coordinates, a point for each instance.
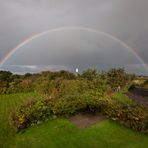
(67, 49)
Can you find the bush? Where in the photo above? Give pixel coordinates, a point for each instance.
(133, 116)
(145, 84)
(32, 112)
(132, 87)
(68, 106)
(118, 77)
(72, 104)
(89, 74)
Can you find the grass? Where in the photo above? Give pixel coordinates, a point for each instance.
(122, 97)
(7, 103)
(62, 133)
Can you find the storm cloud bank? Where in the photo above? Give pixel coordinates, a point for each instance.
(124, 19)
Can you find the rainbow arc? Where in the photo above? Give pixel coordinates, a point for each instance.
(26, 41)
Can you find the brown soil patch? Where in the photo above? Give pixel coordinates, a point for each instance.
(86, 119)
(139, 94)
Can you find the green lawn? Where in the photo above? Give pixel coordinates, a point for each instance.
(61, 133)
(7, 103)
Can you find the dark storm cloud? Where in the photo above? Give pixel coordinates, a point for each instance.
(70, 49)
(125, 19)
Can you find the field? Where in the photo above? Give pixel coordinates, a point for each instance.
(62, 133)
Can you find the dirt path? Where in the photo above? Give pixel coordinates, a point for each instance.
(140, 95)
(83, 120)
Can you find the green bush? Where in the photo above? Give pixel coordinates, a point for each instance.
(72, 104)
(89, 74)
(118, 77)
(68, 106)
(32, 112)
(131, 115)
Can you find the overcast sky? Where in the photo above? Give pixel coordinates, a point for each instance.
(125, 19)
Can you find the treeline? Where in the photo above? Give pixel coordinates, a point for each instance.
(46, 81)
(15, 83)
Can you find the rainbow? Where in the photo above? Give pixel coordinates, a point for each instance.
(26, 41)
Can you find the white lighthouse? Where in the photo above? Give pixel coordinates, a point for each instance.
(77, 70)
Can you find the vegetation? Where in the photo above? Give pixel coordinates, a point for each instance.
(131, 115)
(61, 132)
(62, 94)
(42, 82)
(121, 97)
(145, 84)
(9, 103)
(32, 112)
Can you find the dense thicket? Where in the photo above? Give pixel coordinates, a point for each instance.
(33, 112)
(64, 94)
(43, 82)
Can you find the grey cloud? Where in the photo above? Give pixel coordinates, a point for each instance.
(125, 19)
(74, 49)
(21, 69)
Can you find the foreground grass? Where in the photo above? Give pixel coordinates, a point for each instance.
(8, 103)
(61, 133)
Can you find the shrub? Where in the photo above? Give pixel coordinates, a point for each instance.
(118, 77)
(31, 113)
(145, 84)
(68, 106)
(132, 87)
(131, 115)
(89, 74)
(74, 103)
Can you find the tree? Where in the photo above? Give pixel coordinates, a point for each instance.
(5, 76)
(89, 74)
(117, 78)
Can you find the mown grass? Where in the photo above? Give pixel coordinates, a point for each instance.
(62, 133)
(7, 104)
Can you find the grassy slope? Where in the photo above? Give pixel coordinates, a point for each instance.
(61, 133)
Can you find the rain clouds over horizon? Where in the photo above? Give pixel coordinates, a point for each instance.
(125, 19)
